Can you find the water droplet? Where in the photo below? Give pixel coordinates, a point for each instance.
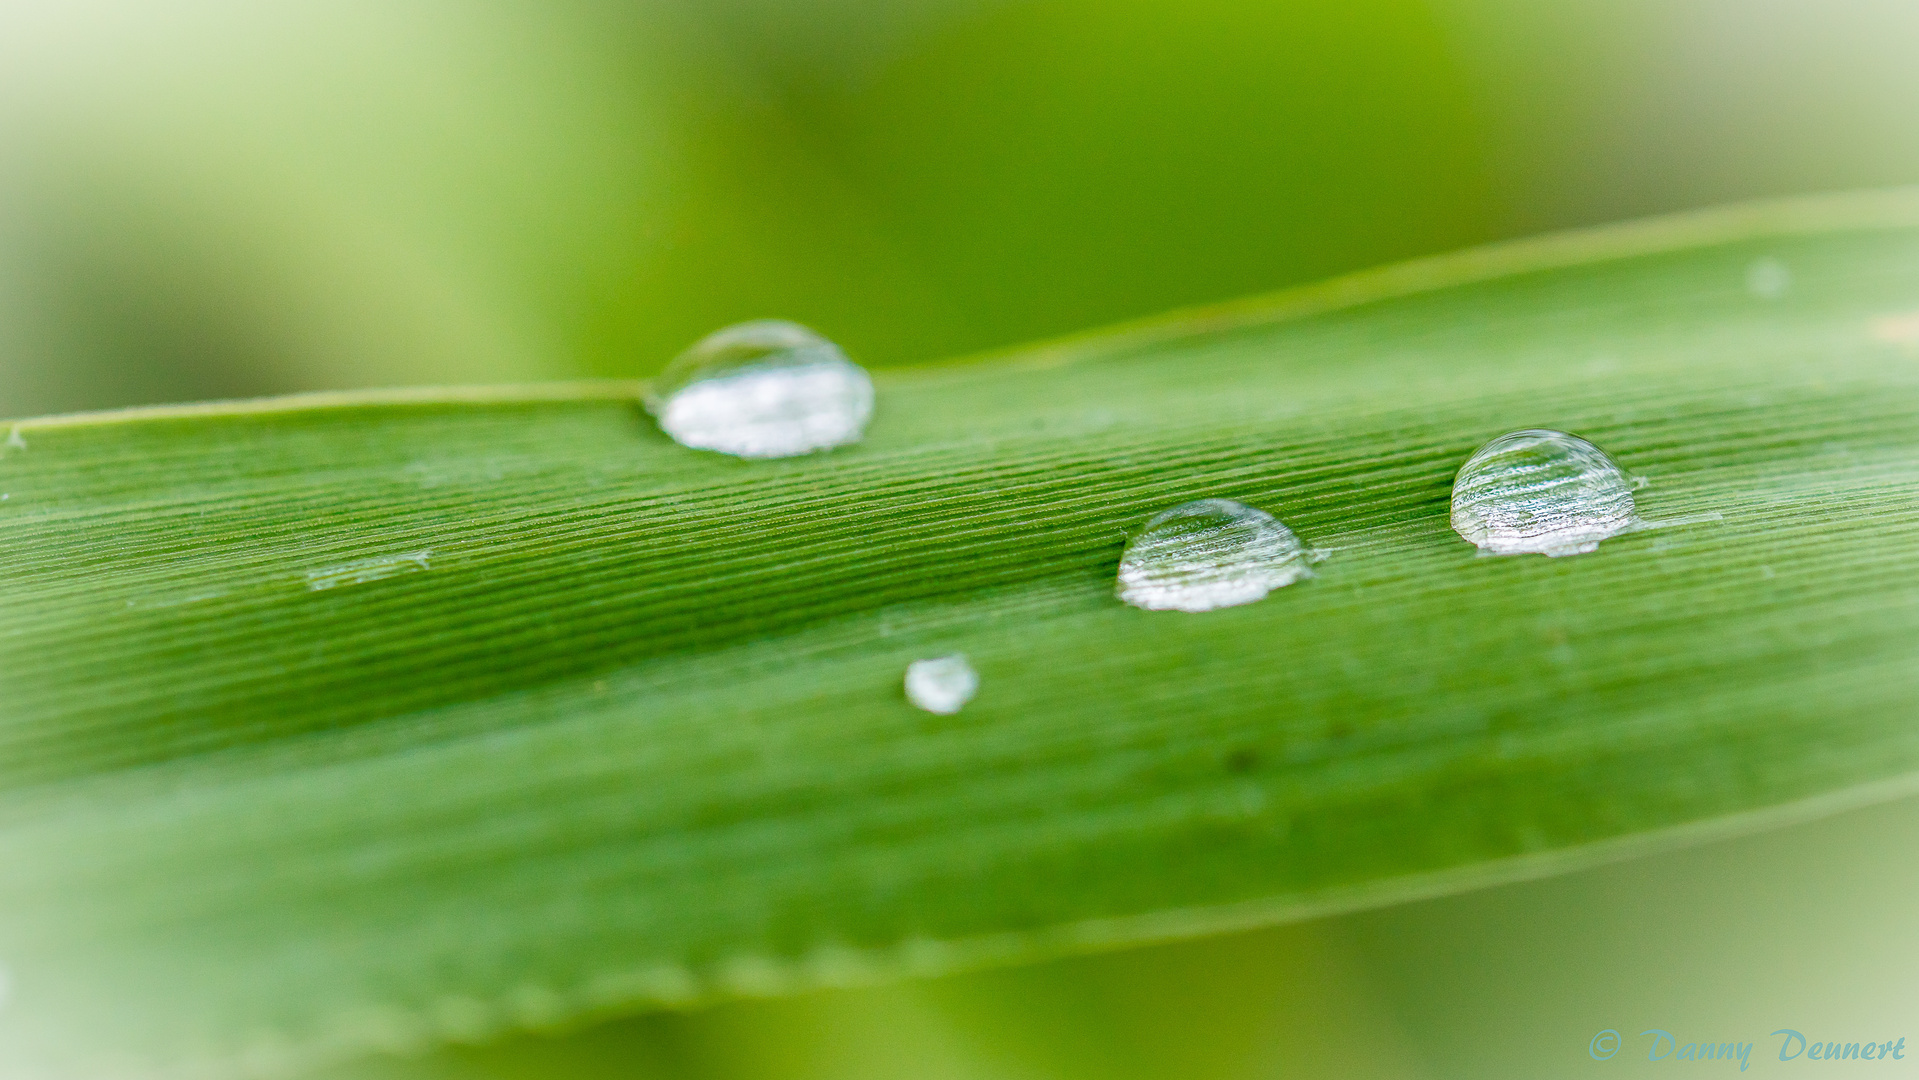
(1768, 278)
(941, 685)
(368, 570)
(765, 389)
(1543, 492)
(1210, 554)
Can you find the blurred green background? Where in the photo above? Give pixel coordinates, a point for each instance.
(211, 199)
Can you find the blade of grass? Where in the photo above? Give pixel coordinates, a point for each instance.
(339, 724)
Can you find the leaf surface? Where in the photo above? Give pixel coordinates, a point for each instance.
(338, 724)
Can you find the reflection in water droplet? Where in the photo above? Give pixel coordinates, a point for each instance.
(1768, 278)
(942, 685)
(1543, 492)
(1209, 554)
(766, 389)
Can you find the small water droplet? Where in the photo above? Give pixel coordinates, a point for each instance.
(1213, 553)
(365, 571)
(1543, 492)
(765, 389)
(941, 685)
(1768, 278)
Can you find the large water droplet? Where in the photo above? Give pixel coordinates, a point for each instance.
(1209, 554)
(765, 389)
(941, 685)
(1543, 492)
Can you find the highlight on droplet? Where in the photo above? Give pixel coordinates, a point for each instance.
(763, 389)
(1209, 554)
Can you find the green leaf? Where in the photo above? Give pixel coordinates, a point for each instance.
(347, 723)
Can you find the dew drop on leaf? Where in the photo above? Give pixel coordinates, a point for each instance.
(1213, 553)
(941, 685)
(764, 389)
(1543, 492)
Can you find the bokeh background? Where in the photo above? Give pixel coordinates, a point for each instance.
(218, 198)
(209, 198)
